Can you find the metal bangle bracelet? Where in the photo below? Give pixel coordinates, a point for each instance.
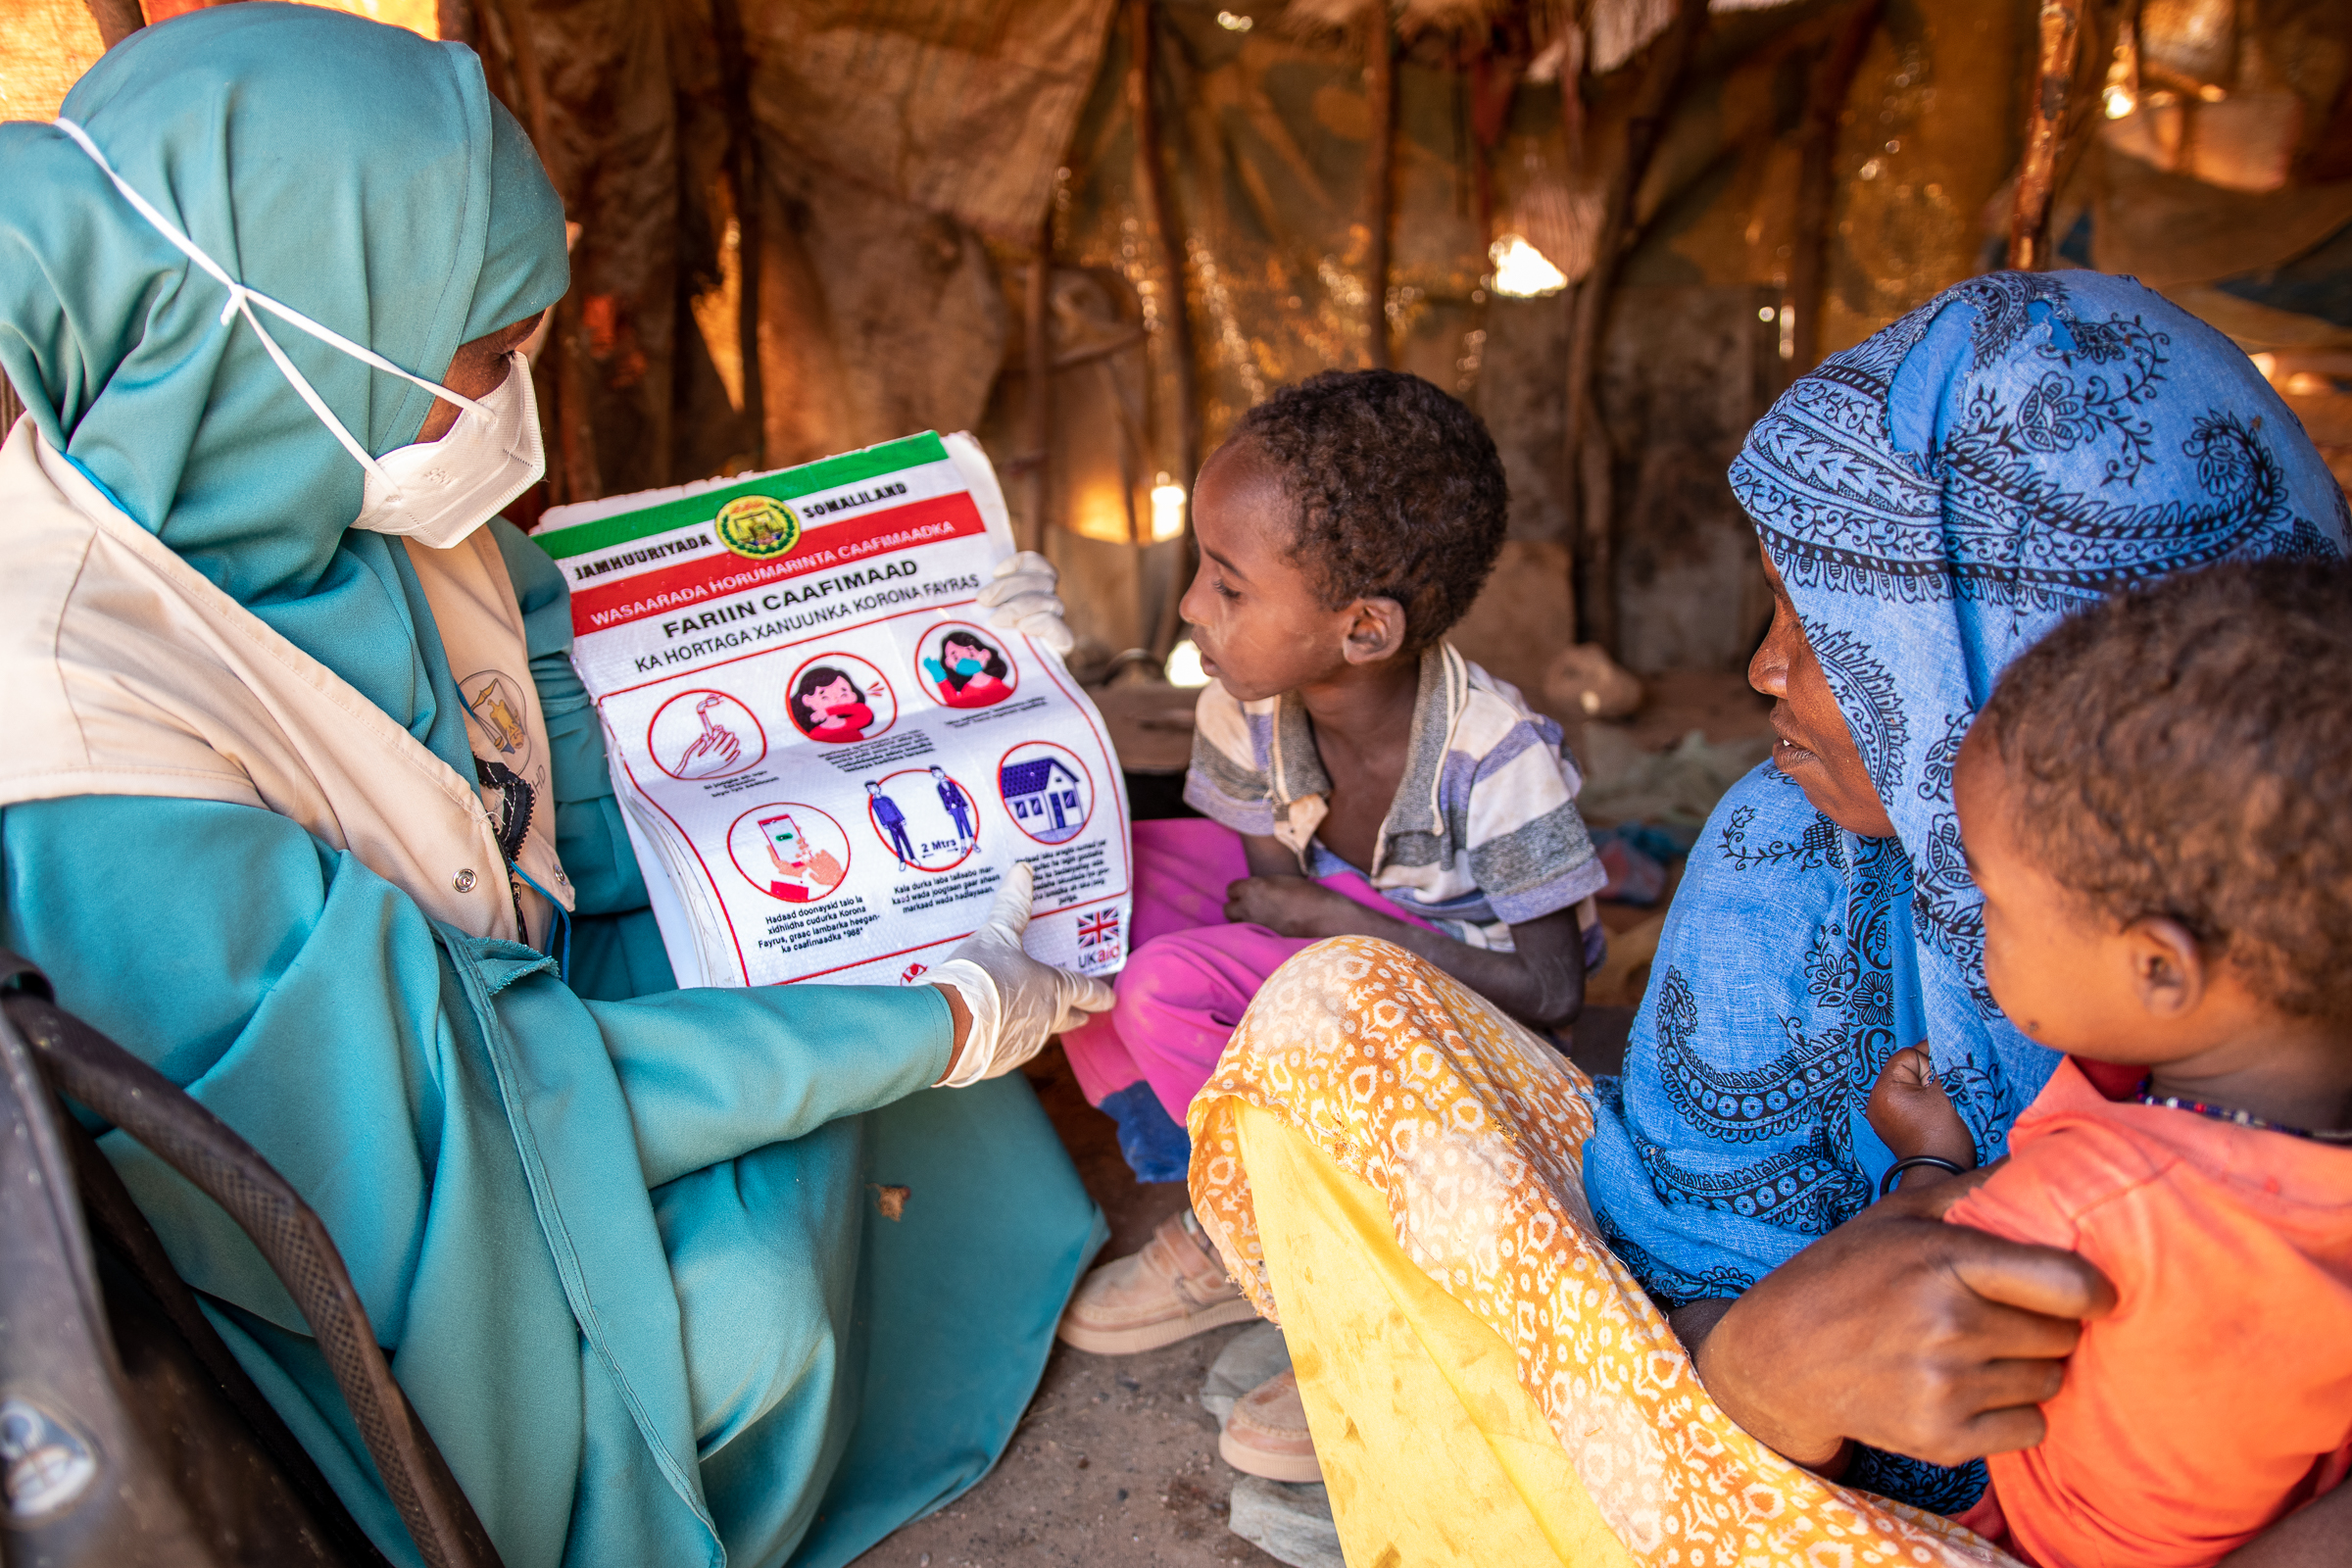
(1894, 1172)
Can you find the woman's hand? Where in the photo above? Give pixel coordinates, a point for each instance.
(1294, 906)
(1902, 1332)
(2316, 1536)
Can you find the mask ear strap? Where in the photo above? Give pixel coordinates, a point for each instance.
(242, 300)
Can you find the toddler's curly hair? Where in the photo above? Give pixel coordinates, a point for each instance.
(2184, 750)
(1399, 491)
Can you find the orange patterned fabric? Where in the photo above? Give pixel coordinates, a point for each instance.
(1473, 1130)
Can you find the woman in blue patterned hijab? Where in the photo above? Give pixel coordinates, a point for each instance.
(1468, 1242)
(1931, 502)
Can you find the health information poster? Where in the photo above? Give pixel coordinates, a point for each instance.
(817, 735)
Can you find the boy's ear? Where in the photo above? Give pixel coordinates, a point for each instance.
(2168, 967)
(1375, 630)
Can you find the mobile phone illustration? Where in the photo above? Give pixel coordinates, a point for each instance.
(785, 834)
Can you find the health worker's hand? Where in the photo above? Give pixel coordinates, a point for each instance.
(1904, 1333)
(1023, 598)
(1014, 1002)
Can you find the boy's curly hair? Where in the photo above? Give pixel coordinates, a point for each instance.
(1400, 493)
(2184, 750)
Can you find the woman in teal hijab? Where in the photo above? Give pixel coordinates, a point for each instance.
(616, 1237)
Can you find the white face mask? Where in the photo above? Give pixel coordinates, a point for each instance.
(436, 492)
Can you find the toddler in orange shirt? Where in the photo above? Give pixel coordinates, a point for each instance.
(2156, 804)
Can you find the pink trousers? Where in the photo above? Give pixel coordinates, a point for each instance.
(1190, 973)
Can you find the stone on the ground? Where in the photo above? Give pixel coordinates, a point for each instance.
(1249, 1359)
(1585, 680)
(1287, 1522)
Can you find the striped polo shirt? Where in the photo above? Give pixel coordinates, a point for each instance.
(1484, 831)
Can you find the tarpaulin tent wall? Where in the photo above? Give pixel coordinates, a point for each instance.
(807, 225)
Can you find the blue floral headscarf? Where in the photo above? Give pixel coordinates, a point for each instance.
(1935, 498)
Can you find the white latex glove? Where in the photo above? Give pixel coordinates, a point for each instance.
(1023, 598)
(1015, 1001)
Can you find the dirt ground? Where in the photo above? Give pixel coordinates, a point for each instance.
(1115, 1465)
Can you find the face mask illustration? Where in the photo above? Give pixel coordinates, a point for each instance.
(435, 492)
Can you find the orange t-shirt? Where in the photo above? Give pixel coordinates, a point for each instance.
(2219, 1394)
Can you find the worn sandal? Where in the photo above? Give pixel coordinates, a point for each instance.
(1267, 1433)
(1175, 1288)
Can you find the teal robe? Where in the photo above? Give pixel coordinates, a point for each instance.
(620, 1240)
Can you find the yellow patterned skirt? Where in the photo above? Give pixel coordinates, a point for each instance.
(1398, 1168)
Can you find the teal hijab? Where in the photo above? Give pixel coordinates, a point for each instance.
(356, 173)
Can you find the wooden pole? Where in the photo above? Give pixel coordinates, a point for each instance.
(1159, 202)
(567, 345)
(1379, 181)
(1154, 196)
(1593, 514)
(1480, 68)
(497, 62)
(454, 21)
(2328, 157)
(2046, 121)
(2086, 102)
(1816, 182)
(1038, 353)
(750, 204)
(117, 20)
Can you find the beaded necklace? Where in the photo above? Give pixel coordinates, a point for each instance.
(2241, 1119)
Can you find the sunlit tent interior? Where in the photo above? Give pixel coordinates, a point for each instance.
(1095, 233)
(1225, 201)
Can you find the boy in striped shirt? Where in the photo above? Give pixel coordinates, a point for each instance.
(1358, 776)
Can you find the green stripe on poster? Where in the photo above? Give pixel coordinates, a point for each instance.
(832, 473)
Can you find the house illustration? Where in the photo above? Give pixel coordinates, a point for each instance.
(1042, 794)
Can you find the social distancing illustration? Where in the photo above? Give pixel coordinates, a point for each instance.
(923, 817)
